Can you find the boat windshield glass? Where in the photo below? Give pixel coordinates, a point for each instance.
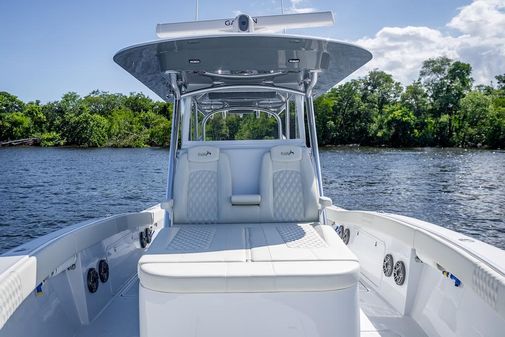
(244, 116)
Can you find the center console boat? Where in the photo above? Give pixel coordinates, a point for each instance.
(245, 242)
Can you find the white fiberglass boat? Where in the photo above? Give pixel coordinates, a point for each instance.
(245, 243)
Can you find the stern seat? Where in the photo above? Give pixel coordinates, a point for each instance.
(227, 257)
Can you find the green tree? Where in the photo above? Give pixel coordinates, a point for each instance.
(379, 89)
(156, 127)
(446, 82)
(471, 123)
(86, 129)
(415, 99)
(10, 103)
(216, 128)
(39, 120)
(126, 130)
(138, 102)
(500, 79)
(396, 126)
(323, 107)
(102, 102)
(351, 116)
(15, 125)
(253, 127)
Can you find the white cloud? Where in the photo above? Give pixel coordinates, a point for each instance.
(295, 7)
(477, 37)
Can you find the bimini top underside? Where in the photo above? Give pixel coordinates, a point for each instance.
(241, 59)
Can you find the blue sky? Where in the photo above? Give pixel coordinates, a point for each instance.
(51, 47)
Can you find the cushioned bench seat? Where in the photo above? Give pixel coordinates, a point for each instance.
(248, 258)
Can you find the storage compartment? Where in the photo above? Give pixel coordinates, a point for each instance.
(271, 279)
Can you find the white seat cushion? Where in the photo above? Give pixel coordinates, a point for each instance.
(288, 186)
(248, 258)
(202, 184)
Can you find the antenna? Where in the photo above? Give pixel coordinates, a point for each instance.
(196, 10)
(282, 12)
(245, 24)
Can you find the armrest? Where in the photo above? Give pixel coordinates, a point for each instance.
(246, 199)
(325, 202)
(167, 205)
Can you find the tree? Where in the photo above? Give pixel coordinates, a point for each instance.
(500, 81)
(323, 106)
(379, 89)
(86, 129)
(15, 125)
(446, 82)
(396, 127)
(125, 129)
(103, 103)
(351, 116)
(253, 127)
(138, 102)
(10, 103)
(156, 127)
(472, 121)
(495, 136)
(415, 99)
(39, 120)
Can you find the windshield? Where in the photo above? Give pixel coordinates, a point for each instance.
(235, 116)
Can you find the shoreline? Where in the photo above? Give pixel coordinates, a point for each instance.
(327, 146)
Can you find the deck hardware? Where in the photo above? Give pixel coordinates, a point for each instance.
(387, 265)
(399, 273)
(92, 280)
(103, 270)
(449, 275)
(38, 291)
(346, 236)
(142, 239)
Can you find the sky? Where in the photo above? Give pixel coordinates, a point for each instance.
(48, 48)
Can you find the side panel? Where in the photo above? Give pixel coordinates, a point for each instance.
(64, 305)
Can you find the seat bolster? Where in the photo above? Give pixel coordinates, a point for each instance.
(181, 189)
(266, 189)
(310, 191)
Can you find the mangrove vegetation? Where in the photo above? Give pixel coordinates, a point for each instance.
(442, 107)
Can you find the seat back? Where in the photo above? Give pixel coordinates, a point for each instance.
(288, 186)
(202, 183)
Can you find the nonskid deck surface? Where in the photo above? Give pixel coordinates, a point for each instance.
(378, 318)
(120, 318)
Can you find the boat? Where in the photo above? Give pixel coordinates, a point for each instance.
(245, 242)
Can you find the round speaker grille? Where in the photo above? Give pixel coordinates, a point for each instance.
(387, 265)
(103, 271)
(92, 280)
(346, 236)
(399, 273)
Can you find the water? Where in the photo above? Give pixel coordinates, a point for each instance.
(44, 189)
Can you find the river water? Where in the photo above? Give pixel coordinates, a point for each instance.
(44, 189)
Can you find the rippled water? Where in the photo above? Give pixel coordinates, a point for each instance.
(43, 189)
